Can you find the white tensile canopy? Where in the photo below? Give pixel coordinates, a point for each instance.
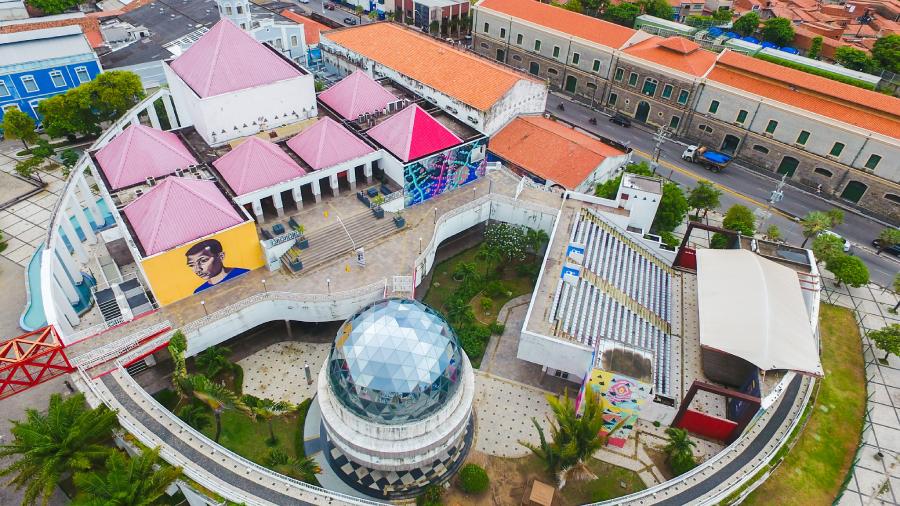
(753, 308)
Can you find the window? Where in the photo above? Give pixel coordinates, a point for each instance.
(674, 123)
(519, 39)
(517, 57)
(243, 26)
(632, 79)
(534, 68)
(591, 86)
(501, 55)
(277, 43)
(613, 98)
(487, 28)
(556, 51)
(823, 172)
(30, 84)
(683, 96)
(553, 71)
(294, 41)
(57, 78)
(228, 10)
(4, 91)
(649, 87)
(836, 149)
(503, 33)
(537, 45)
(762, 149)
(619, 74)
(484, 45)
(698, 6)
(873, 162)
(240, 9)
(82, 74)
(892, 197)
(560, 374)
(742, 117)
(713, 106)
(802, 138)
(854, 191)
(34, 104)
(596, 67)
(705, 128)
(667, 91)
(770, 128)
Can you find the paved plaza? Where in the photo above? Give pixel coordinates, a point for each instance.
(277, 372)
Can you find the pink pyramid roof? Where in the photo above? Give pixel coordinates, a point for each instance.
(177, 211)
(228, 59)
(327, 144)
(256, 164)
(357, 94)
(412, 133)
(140, 152)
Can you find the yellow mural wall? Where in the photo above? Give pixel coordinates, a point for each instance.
(172, 279)
(621, 398)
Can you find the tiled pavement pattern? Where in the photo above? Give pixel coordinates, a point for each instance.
(689, 331)
(874, 481)
(277, 372)
(504, 409)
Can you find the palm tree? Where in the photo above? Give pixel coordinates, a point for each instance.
(466, 272)
(125, 482)
(680, 445)
(887, 238)
(814, 224)
(489, 254)
(269, 409)
(213, 361)
(304, 469)
(896, 285)
(373, 16)
(536, 238)
(217, 397)
(459, 311)
(67, 438)
(195, 417)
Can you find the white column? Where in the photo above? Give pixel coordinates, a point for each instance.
(333, 181)
(89, 199)
(257, 210)
(62, 305)
(368, 172)
(317, 191)
(73, 237)
(65, 257)
(64, 329)
(170, 111)
(66, 284)
(81, 217)
(154, 119)
(351, 178)
(298, 196)
(279, 204)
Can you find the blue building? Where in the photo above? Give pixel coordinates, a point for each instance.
(38, 64)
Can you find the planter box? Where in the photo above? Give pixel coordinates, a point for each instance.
(385, 190)
(379, 213)
(293, 223)
(399, 221)
(302, 242)
(296, 265)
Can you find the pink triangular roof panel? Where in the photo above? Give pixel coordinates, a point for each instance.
(227, 59)
(256, 164)
(178, 211)
(412, 133)
(327, 144)
(357, 94)
(140, 152)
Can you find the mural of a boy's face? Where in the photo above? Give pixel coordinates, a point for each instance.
(207, 265)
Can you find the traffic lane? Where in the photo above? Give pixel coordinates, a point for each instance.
(338, 14)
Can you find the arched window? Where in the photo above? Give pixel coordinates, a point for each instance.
(240, 9)
(788, 166)
(762, 149)
(892, 197)
(227, 10)
(854, 191)
(823, 172)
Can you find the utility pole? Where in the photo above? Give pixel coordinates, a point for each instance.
(659, 137)
(775, 195)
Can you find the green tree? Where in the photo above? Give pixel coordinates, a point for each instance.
(536, 238)
(373, 16)
(740, 219)
(855, 59)
(42, 150)
(815, 47)
(195, 417)
(18, 125)
(826, 247)
(814, 224)
(723, 15)
(887, 340)
(896, 285)
(704, 197)
(213, 361)
(269, 409)
(303, 469)
(778, 31)
(489, 254)
(29, 167)
(217, 397)
(453, 26)
(359, 10)
(624, 13)
(434, 27)
(52, 6)
(610, 189)
(886, 52)
(679, 449)
(848, 269)
(660, 8)
(673, 205)
(887, 238)
(836, 216)
(773, 233)
(473, 479)
(747, 24)
(459, 311)
(574, 6)
(69, 158)
(84, 109)
(125, 482)
(68, 438)
(465, 272)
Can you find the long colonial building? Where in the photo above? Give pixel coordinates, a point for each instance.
(815, 130)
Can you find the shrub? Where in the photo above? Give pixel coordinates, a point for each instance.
(683, 464)
(238, 378)
(474, 339)
(669, 239)
(497, 328)
(302, 410)
(486, 303)
(249, 400)
(817, 72)
(433, 496)
(167, 398)
(473, 479)
(495, 288)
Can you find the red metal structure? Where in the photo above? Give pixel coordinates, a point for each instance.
(31, 359)
(711, 426)
(687, 257)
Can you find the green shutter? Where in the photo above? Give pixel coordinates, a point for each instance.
(873, 162)
(803, 137)
(770, 128)
(742, 116)
(836, 149)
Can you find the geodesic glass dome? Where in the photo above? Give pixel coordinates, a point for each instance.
(395, 361)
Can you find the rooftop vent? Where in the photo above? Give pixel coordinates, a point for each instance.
(138, 193)
(151, 181)
(179, 173)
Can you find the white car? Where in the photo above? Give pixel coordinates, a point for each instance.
(846, 242)
(303, 1)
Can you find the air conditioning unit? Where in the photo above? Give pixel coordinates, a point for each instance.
(392, 106)
(384, 111)
(138, 193)
(179, 173)
(151, 181)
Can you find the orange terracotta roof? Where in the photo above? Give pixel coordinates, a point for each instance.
(555, 18)
(135, 4)
(466, 77)
(549, 150)
(803, 99)
(89, 25)
(675, 53)
(310, 28)
(105, 14)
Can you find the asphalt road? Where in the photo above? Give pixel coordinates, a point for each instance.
(338, 14)
(742, 186)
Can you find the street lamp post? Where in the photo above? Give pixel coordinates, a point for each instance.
(473, 193)
(329, 284)
(264, 286)
(203, 303)
(796, 221)
(420, 245)
(435, 216)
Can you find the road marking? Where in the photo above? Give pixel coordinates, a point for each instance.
(736, 194)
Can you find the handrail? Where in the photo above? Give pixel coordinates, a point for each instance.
(112, 350)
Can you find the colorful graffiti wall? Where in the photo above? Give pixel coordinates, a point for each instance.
(622, 398)
(444, 171)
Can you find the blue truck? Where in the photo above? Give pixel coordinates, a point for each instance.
(712, 160)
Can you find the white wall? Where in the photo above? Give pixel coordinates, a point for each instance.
(525, 97)
(608, 169)
(555, 353)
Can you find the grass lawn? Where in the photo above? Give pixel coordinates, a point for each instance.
(814, 470)
(249, 439)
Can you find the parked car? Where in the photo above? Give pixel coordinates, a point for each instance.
(303, 1)
(448, 39)
(329, 7)
(846, 242)
(620, 120)
(349, 21)
(895, 249)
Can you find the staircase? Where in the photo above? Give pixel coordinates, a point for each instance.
(331, 241)
(137, 367)
(109, 307)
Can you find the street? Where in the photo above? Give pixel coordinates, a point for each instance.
(338, 14)
(741, 186)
